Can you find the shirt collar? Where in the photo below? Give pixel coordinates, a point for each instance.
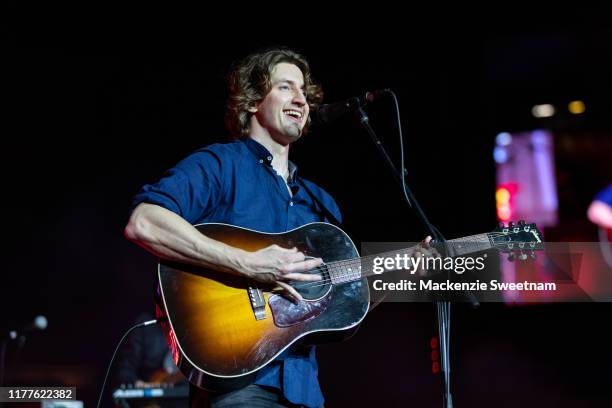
(292, 171)
(264, 154)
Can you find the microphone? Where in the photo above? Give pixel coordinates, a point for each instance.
(39, 323)
(326, 114)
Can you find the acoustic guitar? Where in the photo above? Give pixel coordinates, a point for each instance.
(222, 328)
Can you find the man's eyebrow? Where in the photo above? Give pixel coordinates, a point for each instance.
(290, 81)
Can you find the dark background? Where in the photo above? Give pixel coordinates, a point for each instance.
(99, 100)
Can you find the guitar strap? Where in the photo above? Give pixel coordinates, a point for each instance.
(321, 208)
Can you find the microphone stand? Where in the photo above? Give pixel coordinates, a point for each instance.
(443, 306)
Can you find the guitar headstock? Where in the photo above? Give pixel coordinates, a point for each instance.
(519, 240)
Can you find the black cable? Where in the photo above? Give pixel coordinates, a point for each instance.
(443, 306)
(411, 200)
(143, 324)
(408, 195)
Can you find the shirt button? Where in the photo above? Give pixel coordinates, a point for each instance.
(269, 158)
(290, 203)
(260, 161)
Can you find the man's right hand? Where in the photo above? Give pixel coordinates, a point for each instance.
(278, 265)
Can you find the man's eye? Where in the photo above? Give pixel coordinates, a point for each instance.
(283, 87)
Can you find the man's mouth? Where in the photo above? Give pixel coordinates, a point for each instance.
(294, 115)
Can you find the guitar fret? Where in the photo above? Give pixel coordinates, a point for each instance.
(466, 245)
(348, 271)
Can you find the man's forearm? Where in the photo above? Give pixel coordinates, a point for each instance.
(168, 236)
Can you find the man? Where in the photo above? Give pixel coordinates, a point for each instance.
(600, 213)
(250, 183)
(600, 209)
(145, 361)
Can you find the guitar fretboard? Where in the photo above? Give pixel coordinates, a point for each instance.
(351, 269)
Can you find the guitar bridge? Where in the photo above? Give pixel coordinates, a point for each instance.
(258, 302)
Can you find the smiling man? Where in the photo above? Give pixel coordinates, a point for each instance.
(252, 184)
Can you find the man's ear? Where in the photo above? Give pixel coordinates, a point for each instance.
(252, 109)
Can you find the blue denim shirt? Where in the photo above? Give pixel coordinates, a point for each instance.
(235, 183)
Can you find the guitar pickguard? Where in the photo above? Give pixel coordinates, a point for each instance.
(287, 313)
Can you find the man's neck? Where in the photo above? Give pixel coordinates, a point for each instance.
(280, 153)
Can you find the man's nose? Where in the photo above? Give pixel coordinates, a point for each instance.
(299, 98)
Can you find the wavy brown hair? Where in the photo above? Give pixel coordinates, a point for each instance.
(249, 83)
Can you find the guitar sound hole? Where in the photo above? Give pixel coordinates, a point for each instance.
(315, 289)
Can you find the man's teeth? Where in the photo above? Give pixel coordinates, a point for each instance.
(294, 113)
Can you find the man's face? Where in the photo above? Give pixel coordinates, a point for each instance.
(283, 111)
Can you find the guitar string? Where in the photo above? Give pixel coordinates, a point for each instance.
(352, 261)
(349, 276)
(346, 262)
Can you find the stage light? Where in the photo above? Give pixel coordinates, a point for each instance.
(576, 107)
(503, 139)
(435, 355)
(503, 199)
(543, 111)
(500, 154)
(502, 195)
(433, 343)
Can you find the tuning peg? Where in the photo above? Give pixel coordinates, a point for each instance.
(522, 222)
(522, 256)
(510, 224)
(502, 225)
(511, 257)
(533, 255)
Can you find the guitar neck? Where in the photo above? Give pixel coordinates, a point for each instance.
(351, 269)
